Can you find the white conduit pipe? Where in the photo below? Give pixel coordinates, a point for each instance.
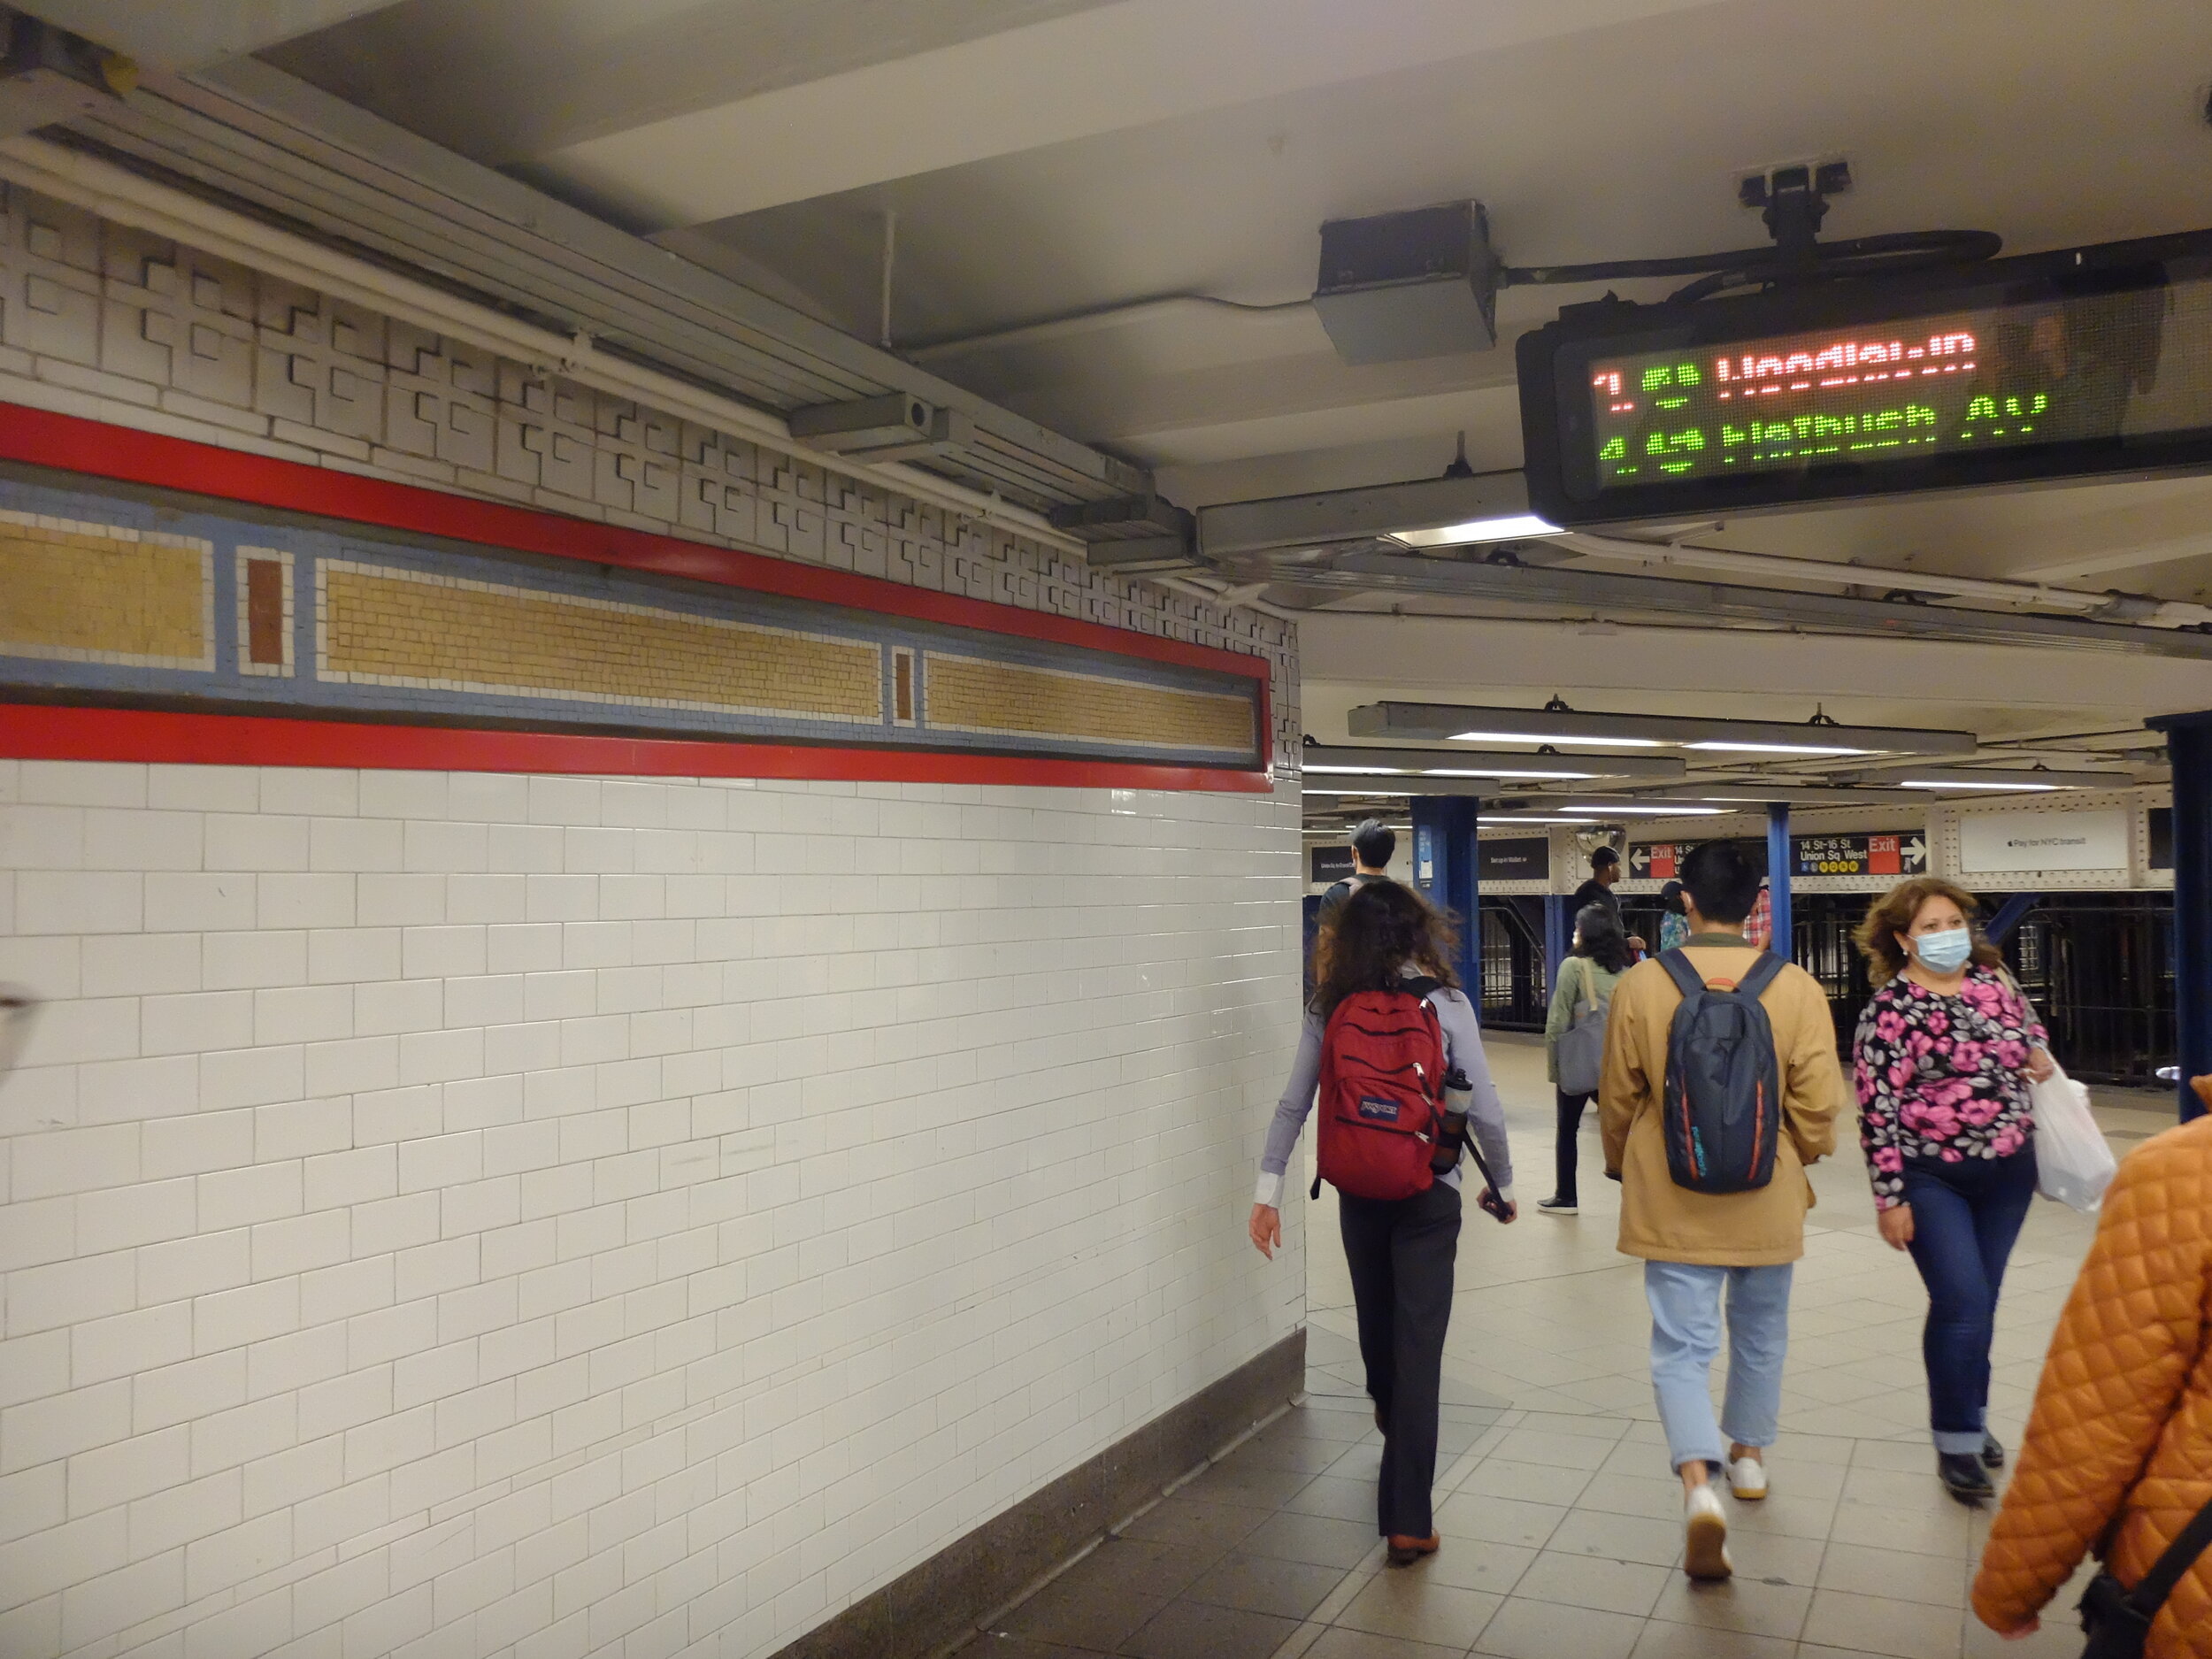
(116, 193)
(1778, 566)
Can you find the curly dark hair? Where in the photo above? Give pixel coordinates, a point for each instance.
(1383, 927)
(1598, 936)
(1891, 917)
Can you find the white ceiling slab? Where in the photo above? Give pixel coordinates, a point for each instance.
(503, 81)
(193, 34)
(1099, 71)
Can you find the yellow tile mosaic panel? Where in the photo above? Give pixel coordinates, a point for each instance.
(966, 694)
(383, 626)
(94, 592)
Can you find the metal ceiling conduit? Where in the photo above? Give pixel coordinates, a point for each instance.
(2170, 613)
(125, 197)
(1377, 567)
(259, 140)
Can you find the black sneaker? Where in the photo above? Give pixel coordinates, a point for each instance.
(1555, 1206)
(1961, 1475)
(1992, 1452)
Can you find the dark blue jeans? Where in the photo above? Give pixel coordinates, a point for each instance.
(1965, 1216)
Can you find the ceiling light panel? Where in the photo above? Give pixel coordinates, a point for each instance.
(1513, 526)
(1434, 721)
(1989, 780)
(1652, 768)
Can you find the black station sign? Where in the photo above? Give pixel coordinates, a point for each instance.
(1898, 855)
(1332, 863)
(1521, 858)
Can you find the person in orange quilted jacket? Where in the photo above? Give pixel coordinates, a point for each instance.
(2118, 1454)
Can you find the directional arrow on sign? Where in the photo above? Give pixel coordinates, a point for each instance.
(1913, 855)
(1638, 860)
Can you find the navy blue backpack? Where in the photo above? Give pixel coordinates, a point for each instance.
(1723, 1100)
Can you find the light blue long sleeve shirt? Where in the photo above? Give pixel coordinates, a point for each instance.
(1463, 1048)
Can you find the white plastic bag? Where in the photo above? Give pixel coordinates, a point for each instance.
(2072, 1162)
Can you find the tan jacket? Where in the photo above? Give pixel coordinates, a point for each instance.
(1665, 1222)
(2118, 1453)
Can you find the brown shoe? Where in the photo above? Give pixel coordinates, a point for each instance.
(1404, 1551)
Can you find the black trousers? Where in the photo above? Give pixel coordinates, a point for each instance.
(1401, 1252)
(1563, 1154)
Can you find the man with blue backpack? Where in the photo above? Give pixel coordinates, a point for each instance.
(1720, 1085)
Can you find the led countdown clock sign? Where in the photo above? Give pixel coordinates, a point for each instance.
(2093, 363)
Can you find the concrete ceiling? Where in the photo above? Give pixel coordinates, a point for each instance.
(1049, 157)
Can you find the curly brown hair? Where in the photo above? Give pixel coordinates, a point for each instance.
(1382, 927)
(1890, 917)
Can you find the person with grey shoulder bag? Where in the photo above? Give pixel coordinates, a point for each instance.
(1574, 1036)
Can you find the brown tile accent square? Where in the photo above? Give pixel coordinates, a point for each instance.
(264, 611)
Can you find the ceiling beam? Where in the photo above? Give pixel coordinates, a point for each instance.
(1140, 61)
(181, 35)
(1585, 592)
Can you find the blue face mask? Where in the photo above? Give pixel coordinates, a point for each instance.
(1946, 952)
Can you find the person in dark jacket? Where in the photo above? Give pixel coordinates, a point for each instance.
(1374, 844)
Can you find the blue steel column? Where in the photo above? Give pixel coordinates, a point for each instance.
(1444, 870)
(1780, 866)
(2189, 745)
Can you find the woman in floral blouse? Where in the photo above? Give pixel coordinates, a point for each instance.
(1943, 1055)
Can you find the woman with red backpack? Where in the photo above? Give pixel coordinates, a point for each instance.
(1392, 1049)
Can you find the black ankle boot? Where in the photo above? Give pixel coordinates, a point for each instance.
(1962, 1477)
(1992, 1452)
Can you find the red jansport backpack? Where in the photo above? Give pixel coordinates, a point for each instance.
(1382, 1082)
(1722, 1108)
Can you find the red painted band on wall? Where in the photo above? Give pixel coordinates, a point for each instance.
(98, 448)
(38, 437)
(47, 732)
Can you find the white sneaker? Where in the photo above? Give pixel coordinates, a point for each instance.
(1747, 1478)
(1705, 1553)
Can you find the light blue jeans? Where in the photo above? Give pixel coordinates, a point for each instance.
(1685, 1314)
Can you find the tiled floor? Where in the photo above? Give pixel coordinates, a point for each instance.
(1561, 1520)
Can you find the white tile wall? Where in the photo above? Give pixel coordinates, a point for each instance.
(492, 1216)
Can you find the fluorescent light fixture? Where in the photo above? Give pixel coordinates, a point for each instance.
(1538, 737)
(1671, 810)
(1558, 723)
(1513, 526)
(1480, 819)
(1497, 772)
(1992, 780)
(1722, 747)
(1460, 761)
(2004, 788)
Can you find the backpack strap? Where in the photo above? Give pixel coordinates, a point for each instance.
(1686, 978)
(2190, 1542)
(1762, 975)
(1420, 984)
